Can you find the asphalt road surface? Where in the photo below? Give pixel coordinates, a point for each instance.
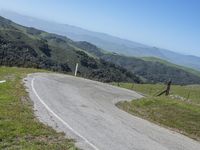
(85, 110)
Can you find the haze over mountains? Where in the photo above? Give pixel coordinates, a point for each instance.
(29, 47)
(105, 41)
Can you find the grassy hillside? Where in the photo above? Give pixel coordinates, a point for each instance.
(19, 128)
(154, 59)
(28, 47)
(149, 71)
(180, 111)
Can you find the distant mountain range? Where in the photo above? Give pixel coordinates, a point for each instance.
(29, 47)
(105, 41)
(150, 69)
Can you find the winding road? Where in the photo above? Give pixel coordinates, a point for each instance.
(85, 110)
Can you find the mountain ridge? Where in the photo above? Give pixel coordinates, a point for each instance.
(105, 41)
(29, 47)
(150, 71)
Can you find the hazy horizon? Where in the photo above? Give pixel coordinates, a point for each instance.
(177, 31)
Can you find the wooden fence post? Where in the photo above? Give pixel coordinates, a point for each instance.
(167, 90)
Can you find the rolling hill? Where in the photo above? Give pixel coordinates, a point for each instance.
(28, 47)
(149, 69)
(154, 59)
(105, 41)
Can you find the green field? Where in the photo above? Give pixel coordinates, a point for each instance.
(180, 111)
(19, 128)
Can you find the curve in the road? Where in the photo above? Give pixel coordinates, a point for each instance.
(59, 118)
(85, 110)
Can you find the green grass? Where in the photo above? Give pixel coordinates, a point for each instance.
(19, 128)
(181, 113)
(191, 93)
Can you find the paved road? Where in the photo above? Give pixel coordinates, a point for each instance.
(85, 110)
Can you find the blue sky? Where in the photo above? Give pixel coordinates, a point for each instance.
(170, 24)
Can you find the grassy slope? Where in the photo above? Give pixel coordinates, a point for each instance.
(19, 129)
(179, 113)
(154, 59)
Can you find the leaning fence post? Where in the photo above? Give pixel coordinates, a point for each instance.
(166, 91)
(168, 87)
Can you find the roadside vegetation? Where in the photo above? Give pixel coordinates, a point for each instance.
(180, 111)
(19, 128)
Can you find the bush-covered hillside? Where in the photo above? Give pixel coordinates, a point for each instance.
(149, 71)
(28, 47)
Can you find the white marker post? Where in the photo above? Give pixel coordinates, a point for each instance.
(2, 81)
(76, 69)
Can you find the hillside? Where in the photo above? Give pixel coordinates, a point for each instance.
(149, 71)
(154, 59)
(28, 47)
(105, 41)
